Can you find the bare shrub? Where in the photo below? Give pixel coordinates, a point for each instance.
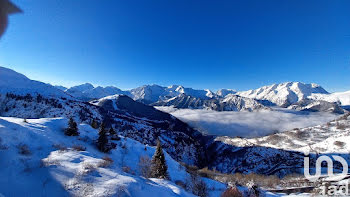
(339, 144)
(60, 147)
(126, 169)
(79, 148)
(106, 162)
(23, 149)
(144, 165)
(301, 134)
(341, 126)
(181, 184)
(245, 179)
(232, 192)
(206, 172)
(88, 168)
(274, 139)
(197, 186)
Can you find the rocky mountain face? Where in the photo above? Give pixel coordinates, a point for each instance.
(154, 93)
(317, 106)
(87, 91)
(284, 94)
(225, 92)
(229, 103)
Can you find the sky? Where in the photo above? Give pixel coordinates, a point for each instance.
(200, 44)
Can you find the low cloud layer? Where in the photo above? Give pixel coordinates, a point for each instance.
(247, 124)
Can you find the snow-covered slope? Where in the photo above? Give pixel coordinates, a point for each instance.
(88, 92)
(284, 94)
(283, 153)
(343, 98)
(42, 161)
(154, 93)
(225, 92)
(317, 106)
(229, 103)
(332, 137)
(14, 82)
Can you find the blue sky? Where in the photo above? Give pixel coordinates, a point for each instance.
(200, 44)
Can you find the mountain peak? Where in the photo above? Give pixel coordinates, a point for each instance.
(284, 94)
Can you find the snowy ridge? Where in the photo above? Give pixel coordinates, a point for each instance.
(88, 92)
(225, 92)
(284, 94)
(229, 103)
(13, 82)
(339, 97)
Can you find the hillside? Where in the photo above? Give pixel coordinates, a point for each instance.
(41, 160)
(16, 83)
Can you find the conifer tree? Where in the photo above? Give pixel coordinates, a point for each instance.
(102, 141)
(94, 124)
(113, 134)
(159, 168)
(72, 129)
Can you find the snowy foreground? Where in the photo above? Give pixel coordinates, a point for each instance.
(37, 159)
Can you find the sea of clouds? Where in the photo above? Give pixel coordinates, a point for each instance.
(247, 124)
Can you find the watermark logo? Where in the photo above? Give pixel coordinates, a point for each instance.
(341, 189)
(329, 176)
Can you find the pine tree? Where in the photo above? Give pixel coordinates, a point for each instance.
(159, 168)
(72, 129)
(113, 134)
(94, 124)
(102, 141)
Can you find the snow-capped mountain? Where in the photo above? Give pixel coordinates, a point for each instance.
(343, 98)
(317, 106)
(154, 93)
(229, 103)
(88, 92)
(61, 87)
(225, 92)
(284, 94)
(14, 82)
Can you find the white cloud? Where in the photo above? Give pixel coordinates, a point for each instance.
(248, 124)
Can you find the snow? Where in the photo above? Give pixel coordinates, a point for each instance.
(13, 82)
(52, 167)
(87, 91)
(341, 97)
(332, 137)
(284, 93)
(225, 92)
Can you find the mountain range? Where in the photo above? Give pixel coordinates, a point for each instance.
(292, 95)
